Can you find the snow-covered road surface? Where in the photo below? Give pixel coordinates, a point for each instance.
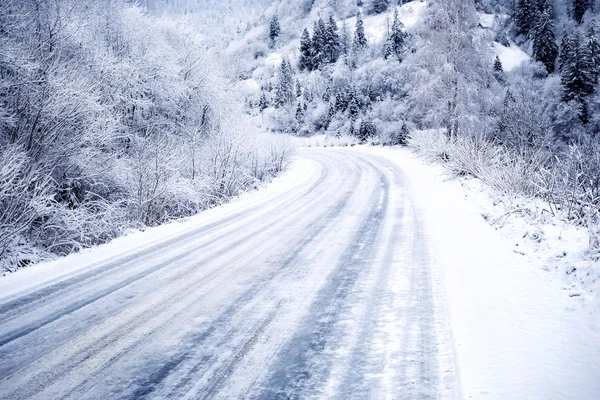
(357, 274)
(322, 289)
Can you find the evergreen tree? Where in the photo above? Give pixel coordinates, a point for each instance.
(579, 9)
(298, 88)
(366, 130)
(299, 113)
(319, 43)
(395, 42)
(274, 30)
(263, 103)
(576, 67)
(565, 52)
(344, 38)
(285, 85)
(545, 49)
(498, 65)
(504, 125)
(341, 101)
(499, 70)
(380, 6)
(401, 138)
(404, 135)
(593, 45)
(332, 41)
(387, 48)
(360, 40)
(523, 14)
(305, 51)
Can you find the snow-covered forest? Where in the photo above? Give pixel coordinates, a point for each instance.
(111, 119)
(506, 91)
(117, 115)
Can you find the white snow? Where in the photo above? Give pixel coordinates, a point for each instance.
(486, 20)
(376, 26)
(511, 57)
(27, 279)
(517, 333)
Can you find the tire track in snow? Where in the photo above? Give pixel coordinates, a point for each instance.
(17, 307)
(100, 345)
(302, 363)
(202, 362)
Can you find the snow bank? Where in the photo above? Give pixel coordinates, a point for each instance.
(517, 333)
(44, 273)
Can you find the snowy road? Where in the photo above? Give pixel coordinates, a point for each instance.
(322, 288)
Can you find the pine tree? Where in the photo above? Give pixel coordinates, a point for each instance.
(593, 45)
(299, 113)
(579, 9)
(545, 49)
(366, 130)
(380, 6)
(394, 44)
(319, 42)
(285, 85)
(332, 42)
(576, 67)
(402, 136)
(387, 48)
(499, 70)
(498, 65)
(305, 51)
(341, 101)
(263, 103)
(274, 30)
(565, 52)
(523, 14)
(360, 40)
(344, 38)
(504, 125)
(298, 88)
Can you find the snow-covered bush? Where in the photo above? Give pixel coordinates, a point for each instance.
(111, 119)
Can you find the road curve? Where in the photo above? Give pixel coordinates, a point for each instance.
(327, 290)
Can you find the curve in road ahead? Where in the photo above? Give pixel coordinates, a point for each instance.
(324, 291)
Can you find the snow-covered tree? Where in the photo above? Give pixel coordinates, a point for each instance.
(284, 93)
(306, 56)
(274, 30)
(332, 42)
(524, 16)
(576, 67)
(366, 130)
(545, 49)
(380, 6)
(395, 42)
(499, 70)
(593, 45)
(580, 7)
(360, 40)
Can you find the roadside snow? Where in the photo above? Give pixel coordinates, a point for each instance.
(42, 274)
(517, 332)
